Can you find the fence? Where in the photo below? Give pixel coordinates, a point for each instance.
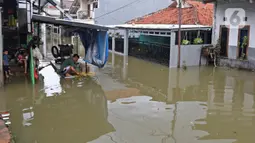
(119, 45)
(155, 52)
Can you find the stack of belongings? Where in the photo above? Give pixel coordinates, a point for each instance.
(5, 135)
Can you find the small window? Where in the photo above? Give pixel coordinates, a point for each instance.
(95, 5)
(55, 30)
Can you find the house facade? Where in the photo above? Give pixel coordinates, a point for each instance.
(157, 33)
(193, 13)
(231, 39)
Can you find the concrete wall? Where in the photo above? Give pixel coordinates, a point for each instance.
(239, 64)
(233, 39)
(127, 13)
(190, 54)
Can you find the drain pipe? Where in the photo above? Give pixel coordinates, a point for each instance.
(44, 33)
(179, 32)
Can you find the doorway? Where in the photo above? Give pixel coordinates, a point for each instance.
(242, 50)
(224, 38)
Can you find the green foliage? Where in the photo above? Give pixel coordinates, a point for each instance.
(198, 41)
(242, 46)
(185, 42)
(245, 42)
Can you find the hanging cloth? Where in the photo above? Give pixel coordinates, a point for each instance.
(96, 47)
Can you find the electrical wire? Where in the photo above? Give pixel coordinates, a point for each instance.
(124, 6)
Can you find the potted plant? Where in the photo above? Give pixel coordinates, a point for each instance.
(198, 40)
(185, 42)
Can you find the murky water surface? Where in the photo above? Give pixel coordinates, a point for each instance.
(133, 101)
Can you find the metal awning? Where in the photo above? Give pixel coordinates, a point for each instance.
(69, 23)
(160, 27)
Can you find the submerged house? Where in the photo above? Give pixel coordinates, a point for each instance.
(232, 39)
(160, 28)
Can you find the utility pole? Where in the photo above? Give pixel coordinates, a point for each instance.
(1, 51)
(179, 32)
(38, 24)
(61, 6)
(61, 17)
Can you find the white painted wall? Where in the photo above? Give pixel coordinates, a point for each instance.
(190, 54)
(250, 13)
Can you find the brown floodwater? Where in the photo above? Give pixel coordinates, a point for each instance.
(134, 101)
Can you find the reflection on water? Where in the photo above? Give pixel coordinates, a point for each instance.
(51, 81)
(135, 102)
(71, 116)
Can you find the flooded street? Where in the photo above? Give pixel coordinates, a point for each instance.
(134, 101)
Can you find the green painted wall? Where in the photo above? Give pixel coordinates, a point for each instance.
(155, 39)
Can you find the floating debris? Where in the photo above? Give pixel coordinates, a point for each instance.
(5, 114)
(5, 122)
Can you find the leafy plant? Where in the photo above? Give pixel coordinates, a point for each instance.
(198, 41)
(185, 42)
(245, 42)
(244, 45)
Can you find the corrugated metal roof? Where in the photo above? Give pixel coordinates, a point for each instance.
(74, 24)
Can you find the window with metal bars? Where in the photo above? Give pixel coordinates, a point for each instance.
(191, 35)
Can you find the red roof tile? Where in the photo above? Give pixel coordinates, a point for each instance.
(197, 13)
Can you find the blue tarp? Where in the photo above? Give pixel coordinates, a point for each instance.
(96, 46)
